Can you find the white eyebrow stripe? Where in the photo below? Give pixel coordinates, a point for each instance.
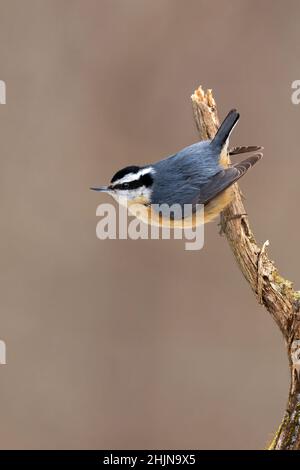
(134, 176)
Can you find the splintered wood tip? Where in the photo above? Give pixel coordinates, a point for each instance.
(198, 95)
(210, 99)
(206, 97)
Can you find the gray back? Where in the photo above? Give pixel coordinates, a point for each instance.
(179, 177)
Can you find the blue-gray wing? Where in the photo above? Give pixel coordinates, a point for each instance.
(179, 177)
(183, 189)
(224, 179)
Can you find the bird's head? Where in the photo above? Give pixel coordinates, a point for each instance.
(132, 183)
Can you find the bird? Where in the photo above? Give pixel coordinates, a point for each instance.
(196, 175)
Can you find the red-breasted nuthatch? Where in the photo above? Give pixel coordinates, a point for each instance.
(198, 174)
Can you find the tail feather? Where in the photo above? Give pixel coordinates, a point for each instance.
(249, 149)
(245, 165)
(225, 129)
(225, 178)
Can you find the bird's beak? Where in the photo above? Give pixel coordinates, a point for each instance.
(102, 189)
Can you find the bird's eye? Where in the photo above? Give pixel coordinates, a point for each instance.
(125, 185)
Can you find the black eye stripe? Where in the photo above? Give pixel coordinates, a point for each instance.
(144, 180)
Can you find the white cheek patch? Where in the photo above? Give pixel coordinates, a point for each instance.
(143, 192)
(124, 195)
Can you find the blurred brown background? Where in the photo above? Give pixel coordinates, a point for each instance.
(139, 344)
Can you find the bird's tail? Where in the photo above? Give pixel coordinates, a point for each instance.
(225, 178)
(249, 149)
(225, 129)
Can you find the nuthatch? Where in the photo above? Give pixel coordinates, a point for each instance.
(198, 174)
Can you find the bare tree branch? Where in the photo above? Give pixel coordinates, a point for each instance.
(271, 289)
